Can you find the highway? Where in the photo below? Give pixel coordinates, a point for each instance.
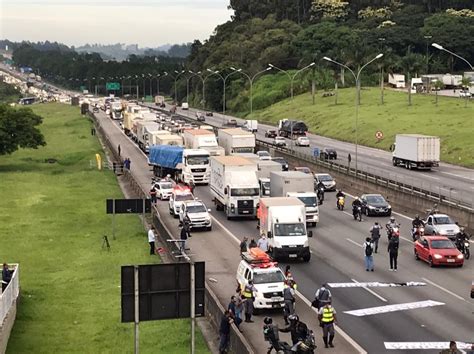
(337, 256)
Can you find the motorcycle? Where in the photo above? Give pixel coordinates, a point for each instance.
(393, 232)
(357, 212)
(464, 248)
(340, 203)
(418, 232)
(320, 194)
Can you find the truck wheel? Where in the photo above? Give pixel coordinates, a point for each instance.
(394, 162)
(307, 257)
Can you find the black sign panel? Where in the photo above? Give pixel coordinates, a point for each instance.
(128, 206)
(164, 291)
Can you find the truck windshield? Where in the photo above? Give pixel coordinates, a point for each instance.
(268, 277)
(265, 188)
(244, 192)
(297, 229)
(198, 160)
(242, 150)
(308, 201)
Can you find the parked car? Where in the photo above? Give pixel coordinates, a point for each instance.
(438, 250)
(271, 133)
(264, 155)
(209, 114)
(441, 224)
(279, 141)
(282, 161)
(375, 204)
(302, 141)
(328, 153)
(464, 93)
(303, 169)
(232, 123)
(200, 117)
(327, 180)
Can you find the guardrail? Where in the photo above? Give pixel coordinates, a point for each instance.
(8, 297)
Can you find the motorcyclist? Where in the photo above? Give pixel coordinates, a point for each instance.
(320, 191)
(355, 204)
(416, 223)
(298, 330)
(461, 236)
(391, 225)
(340, 194)
(270, 333)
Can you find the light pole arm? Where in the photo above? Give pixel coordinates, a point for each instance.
(363, 66)
(458, 56)
(301, 70)
(346, 67)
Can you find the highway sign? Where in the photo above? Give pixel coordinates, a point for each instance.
(379, 135)
(112, 86)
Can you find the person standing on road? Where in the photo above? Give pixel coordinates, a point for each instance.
(243, 245)
(233, 310)
(184, 234)
(224, 332)
(327, 318)
(153, 194)
(289, 299)
(392, 249)
(262, 243)
(322, 296)
(248, 297)
(119, 149)
(151, 240)
(453, 349)
(375, 233)
(369, 257)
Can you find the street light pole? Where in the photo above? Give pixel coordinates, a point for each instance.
(357, 81)
(187, 82)
(427, 53)
(437, 46)
(299, 71)
(285, 72)
(178, 74)
(251, 80)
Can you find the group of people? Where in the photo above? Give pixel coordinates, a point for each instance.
(371, 245)
(261, 243)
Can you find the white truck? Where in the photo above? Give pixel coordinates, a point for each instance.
(116, 110)
(159, 100)
(452, 81)
(234, 186)
(144, 127)
(236, 141)
(169, 139)
(296, 184)
(202, 139)
(416, 151)
(396, 80)
(264, 167)
(283, 221)
(251, 125)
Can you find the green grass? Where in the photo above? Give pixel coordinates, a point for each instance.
(52, 218)
(450, 120)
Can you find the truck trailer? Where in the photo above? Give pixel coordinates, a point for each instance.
(396, 80)
(416, 151)
(202, 139)
(292, 128)
(236, 141)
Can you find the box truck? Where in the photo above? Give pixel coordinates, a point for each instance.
(283, 221)
(169, 139)
(296, 184)
(251, 125)
(202, 139)
(184, 165)
(236, 140)
(143, 128)
(264, 167)
(159, 100)
(234, 186)
(396, 80)
(416, 151)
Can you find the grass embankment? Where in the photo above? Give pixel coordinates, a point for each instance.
(52, 218)
(450, 120)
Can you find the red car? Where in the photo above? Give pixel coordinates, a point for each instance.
(438, 250)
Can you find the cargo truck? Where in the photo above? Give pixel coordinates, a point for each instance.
(396, 80)
(264, 167)
(283, 221)
(234, 186)
(296, 184)
(291, 128)
(159, 100)
(184, 165)
(236, 141)
(169, 139)
(131, 113)
(202, 139)
(416, 151)
(251, 125)
(143, 128)
(116, 110)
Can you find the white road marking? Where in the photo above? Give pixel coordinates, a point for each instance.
(375, 284)
(355, 243)
(445, 290)
(371, 291)
(345, 212)
(427, 176)
(455, 175)
(393, 308)
(424, 345)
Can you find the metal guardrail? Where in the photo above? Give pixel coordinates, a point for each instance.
(8, 297)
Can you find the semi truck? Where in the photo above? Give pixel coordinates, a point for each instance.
(184, 165)
(202, 139)
(169, 139)
(283, 221)
(292, 128)
(396, 80)
(236, 141)
(116, 110)
(416, 151)
(296, 184)
(234, 186)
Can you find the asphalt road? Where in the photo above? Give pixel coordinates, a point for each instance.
(337, 256)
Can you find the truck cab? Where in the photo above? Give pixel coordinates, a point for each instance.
(267, 278)
(310, 201)
(196, 166)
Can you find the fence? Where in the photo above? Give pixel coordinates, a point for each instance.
(8, 297)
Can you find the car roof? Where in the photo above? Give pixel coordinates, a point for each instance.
(434, 238)
(439, 215)
(193, 202)
(322, 174)
(372, 195)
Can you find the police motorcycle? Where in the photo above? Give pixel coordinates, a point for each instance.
(271, 335)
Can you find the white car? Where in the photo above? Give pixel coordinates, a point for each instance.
(327, 180)
(163, 189)
(196, 214)
(264, 155)
(267, 278)
(302, 141)
(441, 224)
(464, 93)
(279, 141)
(178, 196)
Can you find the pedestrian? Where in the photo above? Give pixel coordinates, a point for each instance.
(262, 243)
(289, 300)
(288, 272)
(6, 276)
(243, 245)
(375, 233)
(233, 310)
(252, 243)
(369, 257)
(119, 149)
(191, 186)
(327, 318)
(248, 298)
(322, 296)
(239, 307)
(126, 163)
(151, 240)
(453, 348)
(153, 194)
(184, 235)
(392, 249)
(224, 332)
(349, 158)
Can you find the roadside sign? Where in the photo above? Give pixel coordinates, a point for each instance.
(379, 135)
(316, 152)
(112, 86)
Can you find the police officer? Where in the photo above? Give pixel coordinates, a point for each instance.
(297, 329)
(248, 297)
(323, 295)
(270, 334)
(327, 318)
(375, 233)
(289, 299)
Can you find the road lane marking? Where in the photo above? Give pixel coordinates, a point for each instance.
(427, 176)
(445, 290)
(375, 284)
(393, 308)
(424, 345)
(355, 243)
(371, 291)
(455, 175)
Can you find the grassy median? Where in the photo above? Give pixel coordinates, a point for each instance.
(52, 219)
(450, 119)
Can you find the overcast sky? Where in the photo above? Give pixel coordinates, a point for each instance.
(149, 23)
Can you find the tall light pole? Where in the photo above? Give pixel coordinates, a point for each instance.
(178, 74)
(189, 78)
(296, 73)
(357, 81)
(284, 72)
(382, 41)
(251, 80)
(427, 53)
(437, 46)
(158, 78)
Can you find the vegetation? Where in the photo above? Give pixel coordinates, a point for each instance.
(52, 218)
(8, 93)
(448, 119)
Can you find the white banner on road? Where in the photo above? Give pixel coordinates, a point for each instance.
(393, 308)
(424, 345)
(375, 284)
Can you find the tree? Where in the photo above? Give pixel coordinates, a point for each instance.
(466, 83)
(18, 129)
(411, 64)
(438, 85)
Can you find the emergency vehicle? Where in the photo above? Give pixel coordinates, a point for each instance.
(179, 195)
(267, 278)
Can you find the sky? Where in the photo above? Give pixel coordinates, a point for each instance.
(148, 23)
